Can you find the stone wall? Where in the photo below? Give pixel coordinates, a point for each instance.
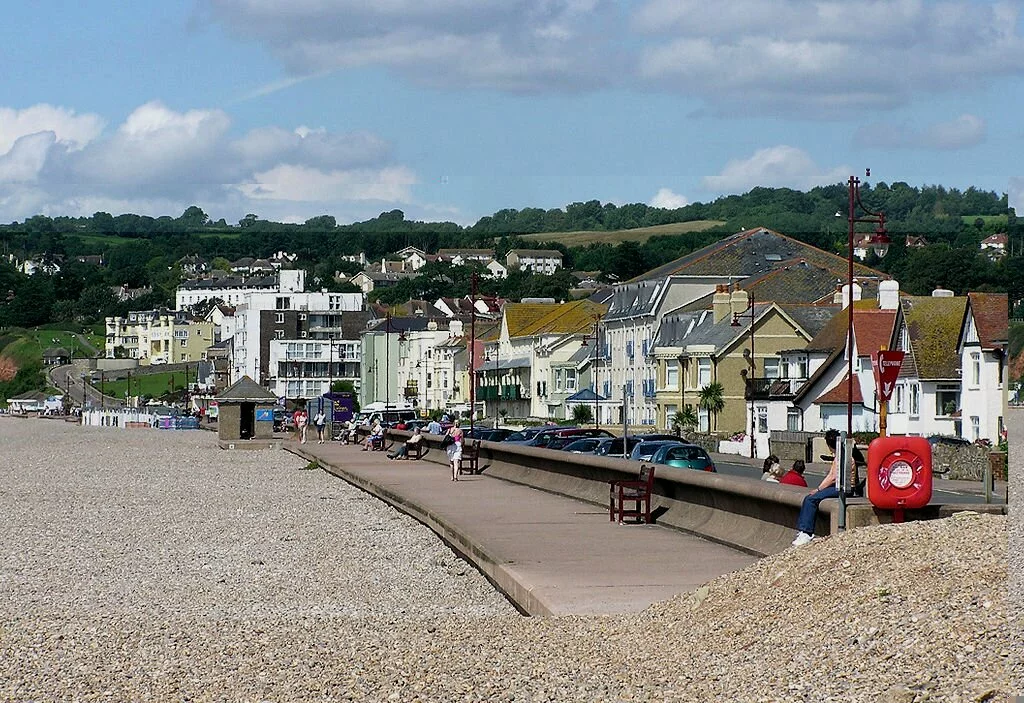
(965, 463)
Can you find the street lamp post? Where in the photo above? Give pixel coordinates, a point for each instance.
(879, 241)
(748, 375)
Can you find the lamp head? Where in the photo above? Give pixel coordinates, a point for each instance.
(880, 243)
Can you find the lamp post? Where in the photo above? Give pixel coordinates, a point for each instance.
(879, 242)
(748, 375)
(472, 352)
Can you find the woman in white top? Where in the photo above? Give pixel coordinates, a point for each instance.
(455, 449)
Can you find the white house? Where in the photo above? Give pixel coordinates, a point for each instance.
(995, 245)
(982, 347)
(232, 289)
(496, 269)
(545, 261)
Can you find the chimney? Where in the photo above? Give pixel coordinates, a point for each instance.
(720, 303)
(739, 300)
(845, 296)
(888, 295)
(942, 293)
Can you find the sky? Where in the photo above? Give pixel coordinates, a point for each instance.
(454, 109)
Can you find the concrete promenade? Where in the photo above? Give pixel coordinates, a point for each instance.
(550, 554)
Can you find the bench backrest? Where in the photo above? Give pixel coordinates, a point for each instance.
(647, 475)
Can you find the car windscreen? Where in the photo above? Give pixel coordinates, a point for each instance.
(686, 453)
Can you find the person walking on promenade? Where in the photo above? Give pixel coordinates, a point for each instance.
(825, 490)
(795, 476)
(320, 422)
(772, 469)
(301, 420)
(455, 448)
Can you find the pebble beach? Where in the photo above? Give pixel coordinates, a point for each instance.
(152, 566)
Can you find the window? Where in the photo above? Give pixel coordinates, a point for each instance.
(703, 420)
(279, 318)
(897, 402)
(629, 350)
(703, 372)
(671, 377)
(975, 369)
(975, 427)
(570, 380)
(303, 334)
(772, 368)
(283, 303)
(762, 419)
(794, 420)
(629, 389)
(915, 399)
(606, 389)
(947, 400)
(559, 382)
(278, 334)
(183, 342)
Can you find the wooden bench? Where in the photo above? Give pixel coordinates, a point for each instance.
(635, 493)
(470, 463)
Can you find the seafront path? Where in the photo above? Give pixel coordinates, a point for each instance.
(552, 555)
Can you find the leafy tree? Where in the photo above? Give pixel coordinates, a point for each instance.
(712, 399)
(684, 419)
(582, 415)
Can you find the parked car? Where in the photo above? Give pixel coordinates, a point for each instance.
(684, 456)
(646, 448)
(587, 445)
(612, 446)
(489, 434)
(524, 436)
(656, 436)
(556, 439)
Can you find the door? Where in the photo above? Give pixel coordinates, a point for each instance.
(247, 421)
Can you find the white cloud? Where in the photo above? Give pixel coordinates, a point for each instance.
(1015, 195)
(827, 57)
(518, 45)
(159, 161)
(70, 129)
(301, 183)
(665, 198)
(961, 132)
(775, 167)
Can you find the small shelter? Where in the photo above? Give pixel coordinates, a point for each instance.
(246, 411)
(27, 402)
(56, 356)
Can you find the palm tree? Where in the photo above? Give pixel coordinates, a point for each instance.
(582, 415)
(712, 399)
(684, 419)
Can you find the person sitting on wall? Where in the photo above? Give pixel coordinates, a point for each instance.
(411, 443)
(795, 476)
(825, 490)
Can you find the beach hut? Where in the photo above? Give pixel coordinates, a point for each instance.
(245, 411)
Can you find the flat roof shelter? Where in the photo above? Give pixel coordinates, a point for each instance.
(245, 411)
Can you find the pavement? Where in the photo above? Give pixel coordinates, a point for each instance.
(551, 555)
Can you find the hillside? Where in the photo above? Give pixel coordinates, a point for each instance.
(639, 234)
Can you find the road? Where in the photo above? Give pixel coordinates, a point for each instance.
(68, 379)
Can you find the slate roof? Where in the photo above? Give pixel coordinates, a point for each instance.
(246, 390)
(991, 318)
(933, 325)
(699, 328)
(584, 396)
(528, 319)
(812, 318)
(56, 353)
(751, 253)
(839, 392)
(633, 299)
(545, 253)
(230, 282)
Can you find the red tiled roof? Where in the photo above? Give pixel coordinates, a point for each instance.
(872, 329)
(838, 393)
(991, 318)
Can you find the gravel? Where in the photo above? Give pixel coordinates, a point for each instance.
(143, 565)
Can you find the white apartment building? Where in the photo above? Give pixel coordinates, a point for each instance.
(984, 392)
(233, 290)
(247, 338)
(306, 368)
(544, 261)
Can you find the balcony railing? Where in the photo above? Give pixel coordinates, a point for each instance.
(506, 393)
(772, 388)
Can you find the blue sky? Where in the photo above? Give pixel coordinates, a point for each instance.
(452, 109)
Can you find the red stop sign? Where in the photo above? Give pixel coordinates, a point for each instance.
(887, 370)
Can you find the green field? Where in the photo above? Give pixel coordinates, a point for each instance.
(998, 220)
(639, 235)
(153, 385)
(27, 346)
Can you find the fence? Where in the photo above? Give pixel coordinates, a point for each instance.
(136, 419)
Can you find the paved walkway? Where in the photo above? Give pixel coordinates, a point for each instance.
(551, 554)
